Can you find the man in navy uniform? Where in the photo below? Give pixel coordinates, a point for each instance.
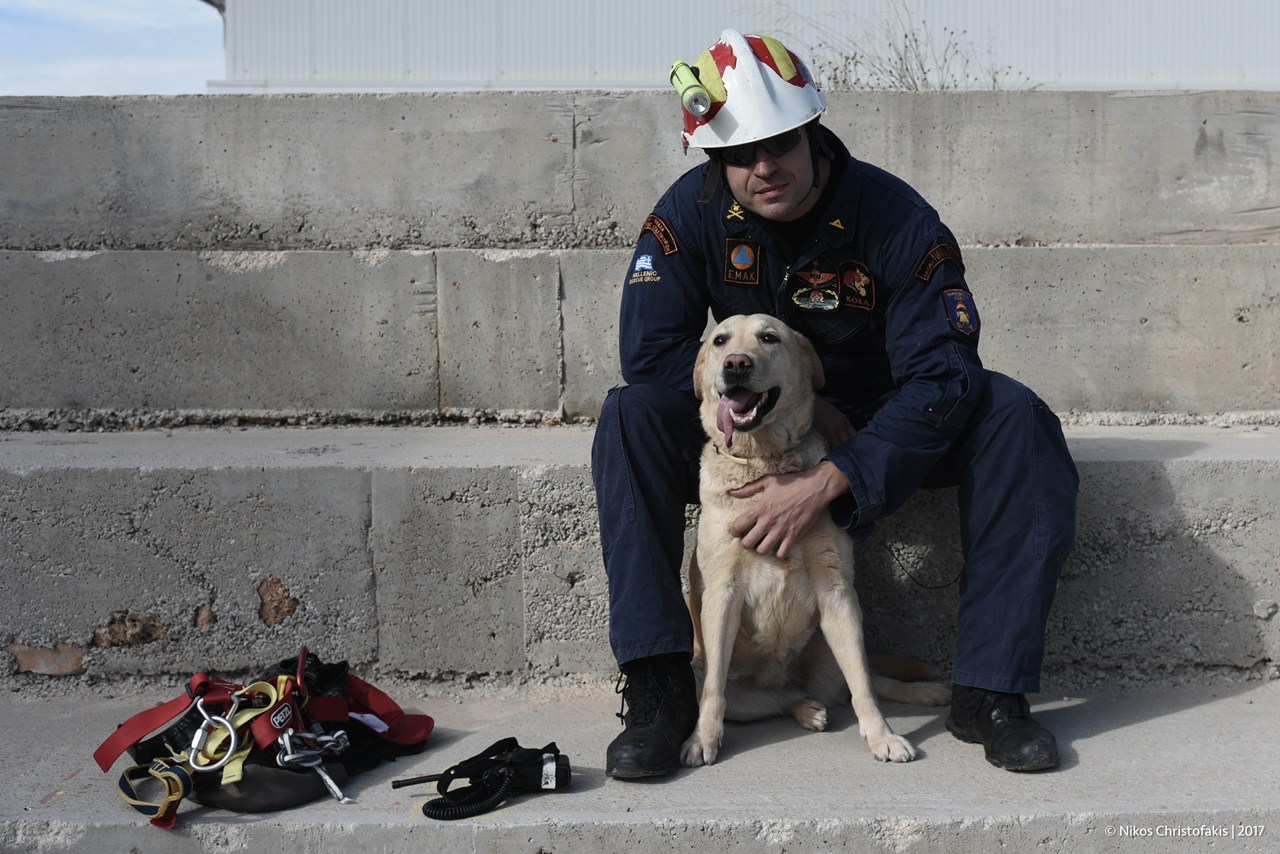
(782, 220)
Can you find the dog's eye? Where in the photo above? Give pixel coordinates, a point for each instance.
(719, 340)
(769, 337)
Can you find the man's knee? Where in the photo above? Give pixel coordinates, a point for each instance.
(652, 413)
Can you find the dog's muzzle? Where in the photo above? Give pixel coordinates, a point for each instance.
(742, 409)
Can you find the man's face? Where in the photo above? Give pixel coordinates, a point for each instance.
(774, 186)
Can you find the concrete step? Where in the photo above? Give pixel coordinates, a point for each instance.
(582, 169)
(398, 334)
(1152, 771)
(471, 555)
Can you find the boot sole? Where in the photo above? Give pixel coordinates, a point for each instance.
(635, 772)
(1039, 762)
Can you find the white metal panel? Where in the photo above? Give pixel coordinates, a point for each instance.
(1106, 44)
(506, 44)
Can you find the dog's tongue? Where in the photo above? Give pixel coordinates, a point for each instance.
(737, 400)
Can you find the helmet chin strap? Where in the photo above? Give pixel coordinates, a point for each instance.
(713, 179)
(818, 147)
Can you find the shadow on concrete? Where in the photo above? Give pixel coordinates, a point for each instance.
(1161, 590)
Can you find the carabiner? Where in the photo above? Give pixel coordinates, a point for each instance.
(210, 726)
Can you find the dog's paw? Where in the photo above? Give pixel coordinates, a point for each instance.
(700, 748)
(891, 747)
(698, 751)
(810, 714)
(928, 694)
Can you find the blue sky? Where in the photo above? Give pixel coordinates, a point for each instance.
(108, 47)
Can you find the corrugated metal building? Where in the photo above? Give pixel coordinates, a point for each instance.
(398, 45)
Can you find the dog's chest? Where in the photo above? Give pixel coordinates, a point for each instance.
(779, 611)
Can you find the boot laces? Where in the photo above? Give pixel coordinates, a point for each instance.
(1006, 707)
(642, 694)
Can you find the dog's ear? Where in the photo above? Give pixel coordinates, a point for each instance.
(811, 361)
(697, 369)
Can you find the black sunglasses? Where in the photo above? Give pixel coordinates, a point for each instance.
(745, 154)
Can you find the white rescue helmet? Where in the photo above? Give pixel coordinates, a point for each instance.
(757, 89)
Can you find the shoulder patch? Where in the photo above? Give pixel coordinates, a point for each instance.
(936, 257)
(961, 313)
(644, 271)
(656, 226)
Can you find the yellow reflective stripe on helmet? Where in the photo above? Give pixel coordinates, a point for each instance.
(709, 77)
(781, 58)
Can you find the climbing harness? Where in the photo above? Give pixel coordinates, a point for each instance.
(286, 739)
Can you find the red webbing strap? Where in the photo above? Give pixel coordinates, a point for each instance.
(140, 725)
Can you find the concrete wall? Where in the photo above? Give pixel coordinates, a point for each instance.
(369, 247)
(463, 553)
(408, 259)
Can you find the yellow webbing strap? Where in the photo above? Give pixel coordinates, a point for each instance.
(177, 785)
(233, 771)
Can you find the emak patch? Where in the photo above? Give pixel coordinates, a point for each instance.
(741, 261)
(961, 313)
(821, 289)
(857, 286)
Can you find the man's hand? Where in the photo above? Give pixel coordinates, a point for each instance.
(789, 506)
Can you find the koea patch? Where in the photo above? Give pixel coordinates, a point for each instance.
(857, 287)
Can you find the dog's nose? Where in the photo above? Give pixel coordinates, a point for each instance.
(737, 364)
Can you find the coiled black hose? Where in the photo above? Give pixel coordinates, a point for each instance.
(494, 788)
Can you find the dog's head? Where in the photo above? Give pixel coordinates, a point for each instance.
(755, 377)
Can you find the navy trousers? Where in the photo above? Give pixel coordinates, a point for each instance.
(1016, 494)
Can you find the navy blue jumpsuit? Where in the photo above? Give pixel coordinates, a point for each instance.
(877, 284)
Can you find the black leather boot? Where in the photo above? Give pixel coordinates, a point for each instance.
(1002, 724)
(661, 704)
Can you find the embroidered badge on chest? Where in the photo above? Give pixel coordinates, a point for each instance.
(741, 261)
(820, 291)
(857, 286)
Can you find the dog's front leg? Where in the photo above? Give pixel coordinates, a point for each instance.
(721, 613)
(841, 621)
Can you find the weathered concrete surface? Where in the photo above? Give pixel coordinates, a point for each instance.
(219, 330)
(1186, 329)
(463, 554)
(500, 338)
(1149, 772)
(556, 169)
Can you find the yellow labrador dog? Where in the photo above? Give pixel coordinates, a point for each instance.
(756, 617)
